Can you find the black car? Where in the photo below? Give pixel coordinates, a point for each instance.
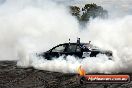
(80, 50)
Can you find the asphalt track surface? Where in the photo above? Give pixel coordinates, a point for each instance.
(12, 76)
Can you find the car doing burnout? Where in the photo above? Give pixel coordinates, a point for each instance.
(80, 50)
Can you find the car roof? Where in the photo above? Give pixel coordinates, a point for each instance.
(74, 43)
(68, 44)
(81, 44)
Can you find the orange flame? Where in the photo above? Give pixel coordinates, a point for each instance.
(81, 71)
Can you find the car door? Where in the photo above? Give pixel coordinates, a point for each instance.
(78, 52)
(86, 52)
(73, 49)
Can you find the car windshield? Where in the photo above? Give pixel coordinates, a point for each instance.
(59, 48)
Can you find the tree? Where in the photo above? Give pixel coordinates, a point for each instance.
(75, 11)
(88, 11)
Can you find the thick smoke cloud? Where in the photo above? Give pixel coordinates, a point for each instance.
(27, 21)
(31, 26)
(106, 35)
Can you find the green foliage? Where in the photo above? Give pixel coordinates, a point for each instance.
(75, 11)
(88, 11)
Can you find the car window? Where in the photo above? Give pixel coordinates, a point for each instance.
(71, 48)
(60, 48)
(89, 46)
